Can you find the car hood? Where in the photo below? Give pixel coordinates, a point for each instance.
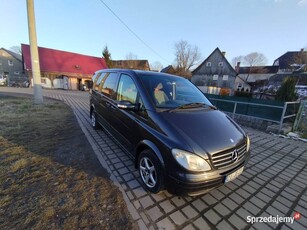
(205, 131)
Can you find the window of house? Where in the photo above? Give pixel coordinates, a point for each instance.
(109, 85)
(215, 77)
(221, 64)
(10, 62)
(208, 64)
(225, 77)
(16, 73)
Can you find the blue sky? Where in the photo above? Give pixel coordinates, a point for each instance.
(239, 27)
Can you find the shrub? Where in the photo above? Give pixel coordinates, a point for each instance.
(243, 94)
(225, 92)
(286, 92)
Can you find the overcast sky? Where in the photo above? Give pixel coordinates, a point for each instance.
(239, 27)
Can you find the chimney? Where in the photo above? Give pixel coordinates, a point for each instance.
(224, 53)
(237, 68)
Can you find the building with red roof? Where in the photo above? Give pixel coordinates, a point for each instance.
(61, 69)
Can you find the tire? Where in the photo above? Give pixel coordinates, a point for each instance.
(150, 171)
(94, 122)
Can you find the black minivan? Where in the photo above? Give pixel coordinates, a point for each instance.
(179, 141)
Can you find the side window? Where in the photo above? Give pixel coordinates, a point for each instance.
(109, 85)
(95, 80)
(101, 80)
(126, 89)
(95, 77)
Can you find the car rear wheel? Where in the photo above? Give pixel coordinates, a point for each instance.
(94, 122)
(151, 171)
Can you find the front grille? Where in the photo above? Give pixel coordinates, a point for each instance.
(226, 158)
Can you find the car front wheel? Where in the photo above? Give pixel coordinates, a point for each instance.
(151, 171)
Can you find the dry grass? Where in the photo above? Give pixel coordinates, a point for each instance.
(49, 176)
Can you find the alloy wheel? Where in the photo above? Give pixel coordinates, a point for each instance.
(148, 172)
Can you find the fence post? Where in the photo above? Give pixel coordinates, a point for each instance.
(234, 110)
(299, 115)
(282, 116)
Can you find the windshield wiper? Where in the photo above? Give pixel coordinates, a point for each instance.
(191, 106)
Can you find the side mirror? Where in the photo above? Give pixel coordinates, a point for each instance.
(126, 105)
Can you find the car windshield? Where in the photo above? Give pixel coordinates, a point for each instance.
(169, 92)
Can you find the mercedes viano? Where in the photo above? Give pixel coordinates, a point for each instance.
(178, 140)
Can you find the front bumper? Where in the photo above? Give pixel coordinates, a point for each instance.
(197, 184)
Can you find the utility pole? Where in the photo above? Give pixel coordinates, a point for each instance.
(38, 92)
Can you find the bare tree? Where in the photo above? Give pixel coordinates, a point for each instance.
(300, 58)
(298, 62)
(156, 66)
(255, 59)
(186, 55)
(131, 56)
(237, 59)
(130, 60)
(16, 49)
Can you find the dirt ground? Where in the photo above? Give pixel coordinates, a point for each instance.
(49, 176)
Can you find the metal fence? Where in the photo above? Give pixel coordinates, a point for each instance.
(268, 112)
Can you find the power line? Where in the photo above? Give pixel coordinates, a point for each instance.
(131, 31)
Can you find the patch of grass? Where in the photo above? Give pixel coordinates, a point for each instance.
(49, 176)
(19, 164)
(49, 213)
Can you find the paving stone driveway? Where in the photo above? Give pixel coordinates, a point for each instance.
(274, 182)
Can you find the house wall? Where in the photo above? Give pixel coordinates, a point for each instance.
(214, 80)
(256, 77)
(11, 67)
(73, 84)
(215, 71)
(210, 89)
(60, 81)
(45, 82)
(241, 85)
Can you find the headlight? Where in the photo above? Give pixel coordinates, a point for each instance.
(248, 144)
(190, 161)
